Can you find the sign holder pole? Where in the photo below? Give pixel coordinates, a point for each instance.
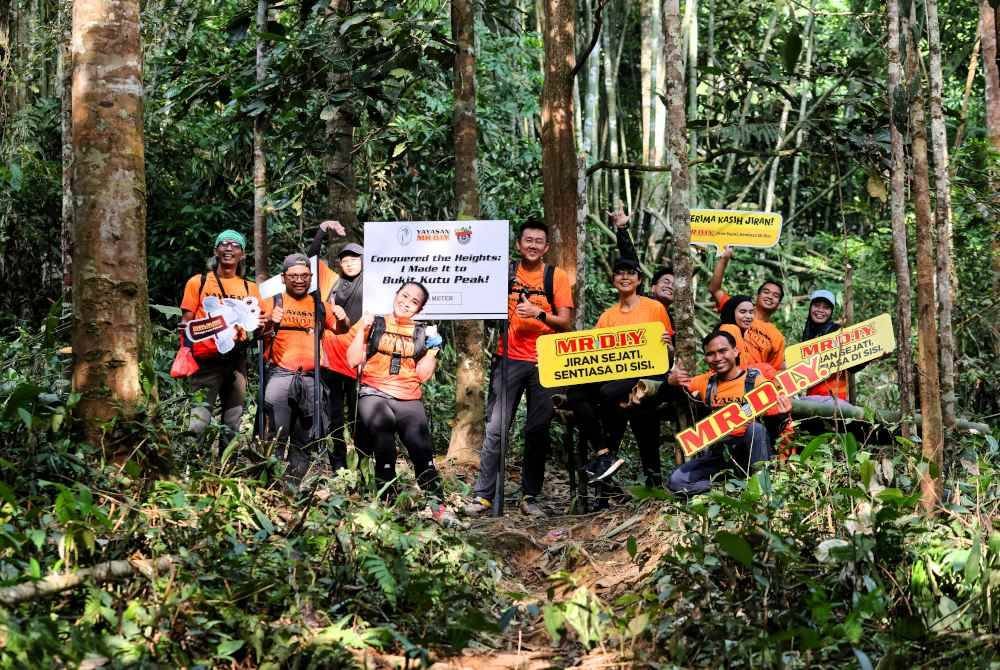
(498, 494)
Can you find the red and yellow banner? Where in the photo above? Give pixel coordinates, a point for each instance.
(849, 346)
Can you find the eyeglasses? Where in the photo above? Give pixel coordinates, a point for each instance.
(229, 245)
(298, 277)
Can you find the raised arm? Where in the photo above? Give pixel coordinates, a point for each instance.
(715, 284)
(317, 242)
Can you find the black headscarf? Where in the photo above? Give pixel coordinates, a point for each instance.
(814, 329)
(348, 295)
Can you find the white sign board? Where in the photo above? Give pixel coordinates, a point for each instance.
(463, 264)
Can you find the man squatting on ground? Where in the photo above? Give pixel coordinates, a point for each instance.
(539, 302)
(219, 376)
(726, 382)
(291, 361)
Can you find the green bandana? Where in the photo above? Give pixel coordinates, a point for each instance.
(231, 236)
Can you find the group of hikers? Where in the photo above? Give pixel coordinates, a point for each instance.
(372, 369)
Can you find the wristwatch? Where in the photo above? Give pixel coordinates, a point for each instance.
(541, 316)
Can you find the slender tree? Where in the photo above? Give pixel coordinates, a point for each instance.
(467, 431)
(989, 28)
(932, 435)
(110, 310)
(259, 156)
(676, 158)
(66, 126)
(341, 192)
(989, 24)
(900, 254)
(942, 216)
(558, 150)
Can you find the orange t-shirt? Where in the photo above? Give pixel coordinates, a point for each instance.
(834, 386)
(726, 392)
(404, 385)
(762, 343)
(335, 352)
(232, 287)
(647, 310)
(292, 347)
(327, 279)
(522, 333)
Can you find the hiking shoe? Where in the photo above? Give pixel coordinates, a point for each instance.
(477, 507)
(530, 507)
(603, 467)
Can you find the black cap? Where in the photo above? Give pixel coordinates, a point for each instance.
(351, 249)
(625, 264)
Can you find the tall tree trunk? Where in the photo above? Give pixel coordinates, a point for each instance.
(691, 10)
(970, 77)
(676, 157)
(342, 197)
(989, 28)
(558, 151)
(110, 302)
(942, 216)
(932, 436)
(900, 253)
(467, 432)
(259, 157)
(647, 78)
(804, 83)
(66, 127)
(591, 105)
(611, 100)
(989, 23)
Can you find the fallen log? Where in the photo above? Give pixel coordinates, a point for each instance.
(803, 408)
(102, 572)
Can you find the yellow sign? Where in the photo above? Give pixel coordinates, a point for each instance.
(602, 354)
(847, 347)
(723, 227)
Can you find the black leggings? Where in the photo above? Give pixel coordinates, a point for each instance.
(381, 419)
(603, 421)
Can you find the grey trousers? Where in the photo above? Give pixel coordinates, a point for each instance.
(522, 379)
(285, 423)
(222, 379)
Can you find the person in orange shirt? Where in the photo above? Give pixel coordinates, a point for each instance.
(343, 288)
(819, 322)
(762, 337)
(539, 301)
(608, 397)
(221, 377)
(661, 285)
(726, 382)
(290, 354)
(397, 356)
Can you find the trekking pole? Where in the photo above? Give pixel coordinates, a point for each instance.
(260, 419)
(498, 494)
(317, 424)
